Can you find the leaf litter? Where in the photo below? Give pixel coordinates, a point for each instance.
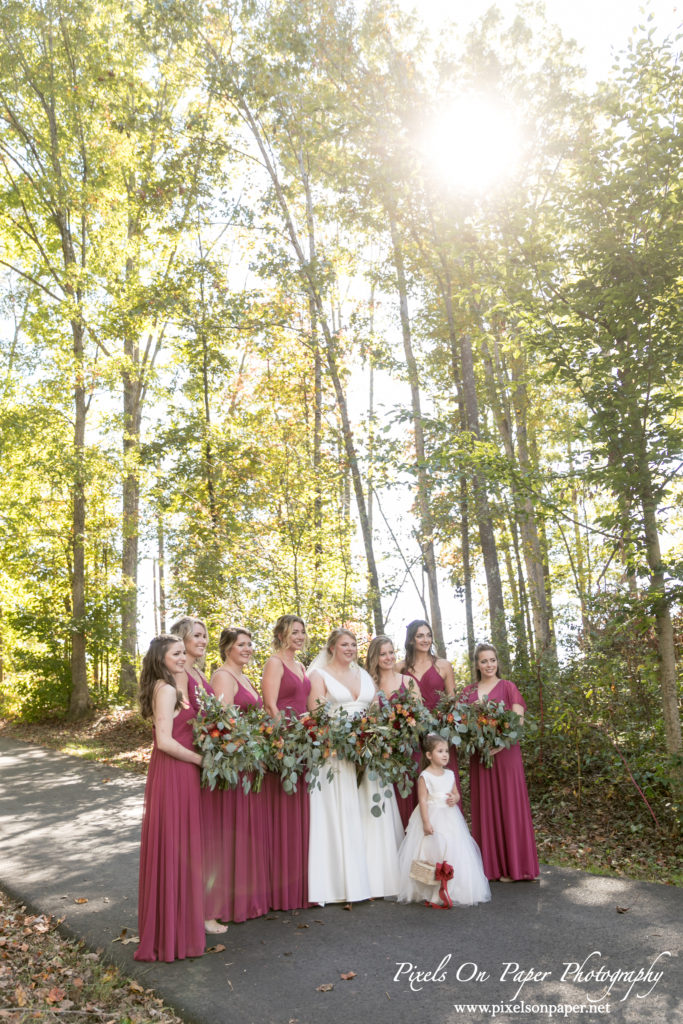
(44, 977)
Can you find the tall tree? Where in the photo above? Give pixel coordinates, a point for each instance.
(56, 149)
(614, 320)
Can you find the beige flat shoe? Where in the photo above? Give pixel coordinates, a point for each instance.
(215, 927)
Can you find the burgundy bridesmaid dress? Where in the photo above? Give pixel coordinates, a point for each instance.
(289, 813)
(236, 842)
(171, 892)
(499, 803)
(431, 687)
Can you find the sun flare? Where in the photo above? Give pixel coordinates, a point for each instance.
(471, 143)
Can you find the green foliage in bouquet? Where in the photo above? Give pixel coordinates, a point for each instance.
(380, 743)
(234, 746)
(406, 720)
(448, 720)
(298, 747)
(490, 727)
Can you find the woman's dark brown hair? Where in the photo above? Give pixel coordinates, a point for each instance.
(228, 639)
(154, 669)
(411, 630)
(477, 651)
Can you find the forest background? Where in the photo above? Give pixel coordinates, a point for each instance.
(321, 313)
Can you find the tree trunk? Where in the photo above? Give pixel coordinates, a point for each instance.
(311, 285)
(666, 649)
(423, 490)
(128, 681)
(208, 448)
(462, 360)
(162, 575)
(467, 572)
(524, 511)
(79, 698)
(531, 543)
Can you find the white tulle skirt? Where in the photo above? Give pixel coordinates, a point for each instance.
(452, 842)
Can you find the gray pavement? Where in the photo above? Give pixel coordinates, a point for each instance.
(69, 830)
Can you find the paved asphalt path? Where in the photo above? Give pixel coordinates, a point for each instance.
(69, 830)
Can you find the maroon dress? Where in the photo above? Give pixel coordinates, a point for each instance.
(236, 843)
(288, 813)
(499, 802)
(431, 687)
(170, 899)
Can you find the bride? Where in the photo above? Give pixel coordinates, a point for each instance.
(352, 854)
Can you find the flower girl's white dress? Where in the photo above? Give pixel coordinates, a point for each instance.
(451, 842)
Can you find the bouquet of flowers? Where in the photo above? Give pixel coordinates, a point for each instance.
(232, 743)
(449, 723)
(367, 740)
(318, 727)
(297, 747)
(406, 720)
(489, 726)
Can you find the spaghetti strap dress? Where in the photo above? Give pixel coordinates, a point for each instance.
(236, 845)
(288, 813)
(170, 899)
(431, 687)
(499, 803)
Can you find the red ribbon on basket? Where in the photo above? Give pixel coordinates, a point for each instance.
(443, 873)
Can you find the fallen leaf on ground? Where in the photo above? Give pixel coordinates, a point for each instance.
(348, 976)
(623, 910)
(303, 926)
(325, 988)
(81, 899)
(216, 949)
(55, 995)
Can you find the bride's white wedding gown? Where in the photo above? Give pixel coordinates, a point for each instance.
(352, 854)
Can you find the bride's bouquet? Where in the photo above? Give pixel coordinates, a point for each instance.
(368, 740)
(234, 743)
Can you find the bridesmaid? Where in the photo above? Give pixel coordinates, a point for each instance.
(236, 832)
(170, 901)
(499, 802)
(285, 687)
(381, 664)
(433, 676)
(194, 634)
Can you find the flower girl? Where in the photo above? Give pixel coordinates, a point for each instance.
(437, 834)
